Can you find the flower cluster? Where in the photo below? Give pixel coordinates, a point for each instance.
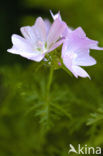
(43, 37)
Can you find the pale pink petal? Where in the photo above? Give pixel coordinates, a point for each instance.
(77, 39)
(37, 57)
(56, 15)
(55, 45)
(23, 48)
(65, 48)
(33, 55)
(13, 50)
(95, 46)
(17, 51)
(29, 34)
(55, 32)
(48, 25)
(40, 29)
(68, 61)
(78, 71)
(67, 31)
(79, 32)
(21, 43)
(83, 58)
(85, 61)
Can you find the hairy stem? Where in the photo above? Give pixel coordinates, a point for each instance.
(47, 103)
(50, 80)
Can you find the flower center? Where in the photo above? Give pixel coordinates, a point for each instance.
(41, 46)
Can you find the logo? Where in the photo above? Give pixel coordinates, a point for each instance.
(84, 150)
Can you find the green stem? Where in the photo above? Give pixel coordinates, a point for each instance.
(47, 104)
(50, 80)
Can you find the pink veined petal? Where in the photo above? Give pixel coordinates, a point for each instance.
(68, 59)
(67, 31)
(56, 15)
(79, 32)
(34, 55)
(94, 45)
(23, 48)
(74, 43)
(85, 61)
(55, 32)
(36, 58)
(28, 33)
(17, 51)
(48, 25)
(20, 43)
(97, 47)
(78, 71)
(67, 62)
(82, 55)
(40, 29)
(77, 39)
(55, 45)
(71, 44)
(65, 48)
(13, 50)
(83, 58)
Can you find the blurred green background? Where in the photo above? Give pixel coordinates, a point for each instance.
(74, 114)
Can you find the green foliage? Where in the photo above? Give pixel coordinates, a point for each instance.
(35, 122)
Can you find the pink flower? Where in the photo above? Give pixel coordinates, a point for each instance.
(58, 16)
(76, 52)
(42, 38)
(38, 39)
